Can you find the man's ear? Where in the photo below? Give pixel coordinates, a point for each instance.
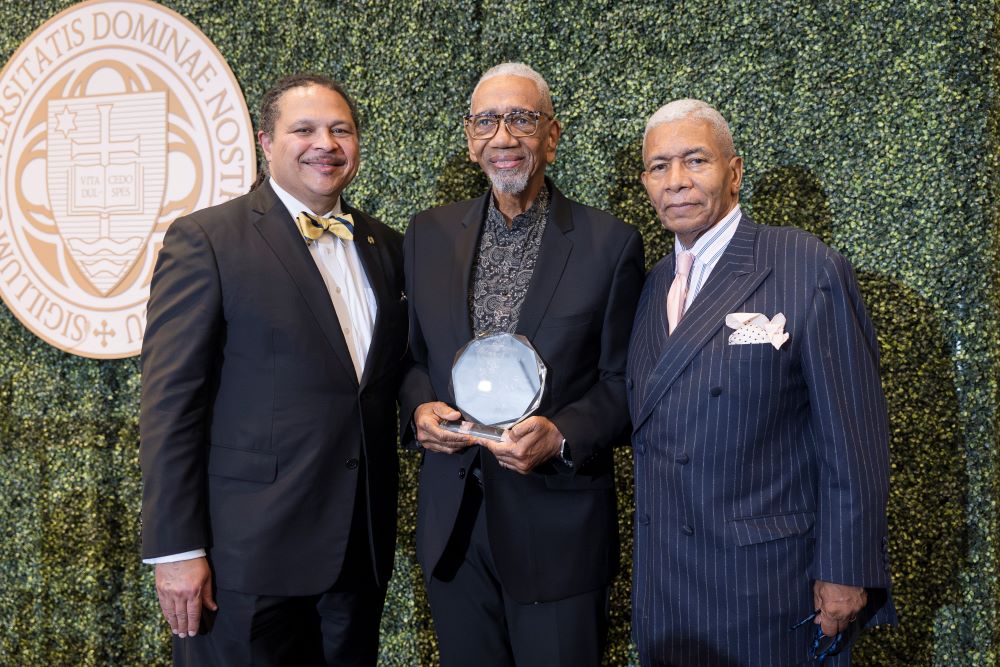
(555, 131)
(736, 165)
(265, 143)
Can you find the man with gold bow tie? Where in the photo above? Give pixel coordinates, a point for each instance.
(270, 367)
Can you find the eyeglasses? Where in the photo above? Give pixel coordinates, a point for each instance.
(518, 123)
(820, 650)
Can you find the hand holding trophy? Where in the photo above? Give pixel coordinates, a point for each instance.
(497, 380)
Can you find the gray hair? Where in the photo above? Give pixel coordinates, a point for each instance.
(522, 70)
(688, 108)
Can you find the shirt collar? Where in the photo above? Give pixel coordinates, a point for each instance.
(538, 210)
(295, 207)
(710, 245)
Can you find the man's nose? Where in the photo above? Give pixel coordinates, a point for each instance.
(503, 137)
(677, 177)
(325, 139)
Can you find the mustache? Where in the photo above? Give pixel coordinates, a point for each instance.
(333, 160)
(500, 157)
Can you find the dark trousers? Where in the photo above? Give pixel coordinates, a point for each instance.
(478, 623)
(337, 627)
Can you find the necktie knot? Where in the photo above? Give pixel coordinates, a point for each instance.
(684, 262)
(312, 226)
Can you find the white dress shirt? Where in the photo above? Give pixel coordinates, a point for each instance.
(352, 296)
(351, 293)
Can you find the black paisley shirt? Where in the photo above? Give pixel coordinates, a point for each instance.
(504, 264)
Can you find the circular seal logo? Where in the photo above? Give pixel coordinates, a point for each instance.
(116, 117)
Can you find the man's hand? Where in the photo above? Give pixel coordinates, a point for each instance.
(427, 419)
(527, 444)
(837, 604)
(184, 587)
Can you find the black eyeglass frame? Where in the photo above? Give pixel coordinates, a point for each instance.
(536, 116)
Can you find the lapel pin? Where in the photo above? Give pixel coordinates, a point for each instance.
(371, 240)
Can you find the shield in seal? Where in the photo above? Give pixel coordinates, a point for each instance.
(106, 173)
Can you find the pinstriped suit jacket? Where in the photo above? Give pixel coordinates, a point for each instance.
(757, 471)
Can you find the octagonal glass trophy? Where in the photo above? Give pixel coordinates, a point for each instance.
(497, 380)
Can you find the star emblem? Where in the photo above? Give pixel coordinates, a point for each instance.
(65, 121)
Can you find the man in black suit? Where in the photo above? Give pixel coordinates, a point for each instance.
(518, 539)
(269, 377)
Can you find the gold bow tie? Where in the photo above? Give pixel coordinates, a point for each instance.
(313, 226)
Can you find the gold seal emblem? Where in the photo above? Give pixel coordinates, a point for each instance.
(116, 117)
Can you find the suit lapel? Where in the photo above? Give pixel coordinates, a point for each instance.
(551, 263)
(371, 261)
(733, 280)
(464, 250)
(275, 225)
(657, 324)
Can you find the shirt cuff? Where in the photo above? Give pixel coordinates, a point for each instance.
(173, 558)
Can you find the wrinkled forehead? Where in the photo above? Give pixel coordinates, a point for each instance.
(680, 137)
(504, 93)
(313, 100)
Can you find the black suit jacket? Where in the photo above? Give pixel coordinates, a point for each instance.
(553, 532)
(254, 428)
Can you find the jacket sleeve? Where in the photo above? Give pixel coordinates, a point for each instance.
(416, 388)
(180, 351)
(599, 418)
(849, 427)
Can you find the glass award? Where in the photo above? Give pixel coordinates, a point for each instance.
(497, 380)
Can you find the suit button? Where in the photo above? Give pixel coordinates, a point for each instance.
(351, 464)
(715, 391)
(687, 530)
(629, 383)
(461, 473)
(641, 450)
(643, 519)
(682, 458)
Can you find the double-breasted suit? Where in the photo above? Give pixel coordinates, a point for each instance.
(553, 532)
(758, 470)
(256, 431)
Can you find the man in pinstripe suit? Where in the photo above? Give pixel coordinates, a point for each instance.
(759, 424)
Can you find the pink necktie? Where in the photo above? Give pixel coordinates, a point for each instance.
(677, 295)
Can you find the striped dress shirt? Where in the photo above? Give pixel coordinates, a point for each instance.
(707, 250)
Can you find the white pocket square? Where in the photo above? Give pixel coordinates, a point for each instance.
(754, 328)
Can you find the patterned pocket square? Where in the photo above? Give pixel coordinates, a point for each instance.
(753, 328)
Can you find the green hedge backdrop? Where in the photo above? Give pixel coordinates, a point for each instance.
(871, 124)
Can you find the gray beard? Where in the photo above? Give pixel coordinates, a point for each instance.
(510, 183)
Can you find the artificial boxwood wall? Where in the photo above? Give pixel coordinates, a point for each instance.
(871, 124)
